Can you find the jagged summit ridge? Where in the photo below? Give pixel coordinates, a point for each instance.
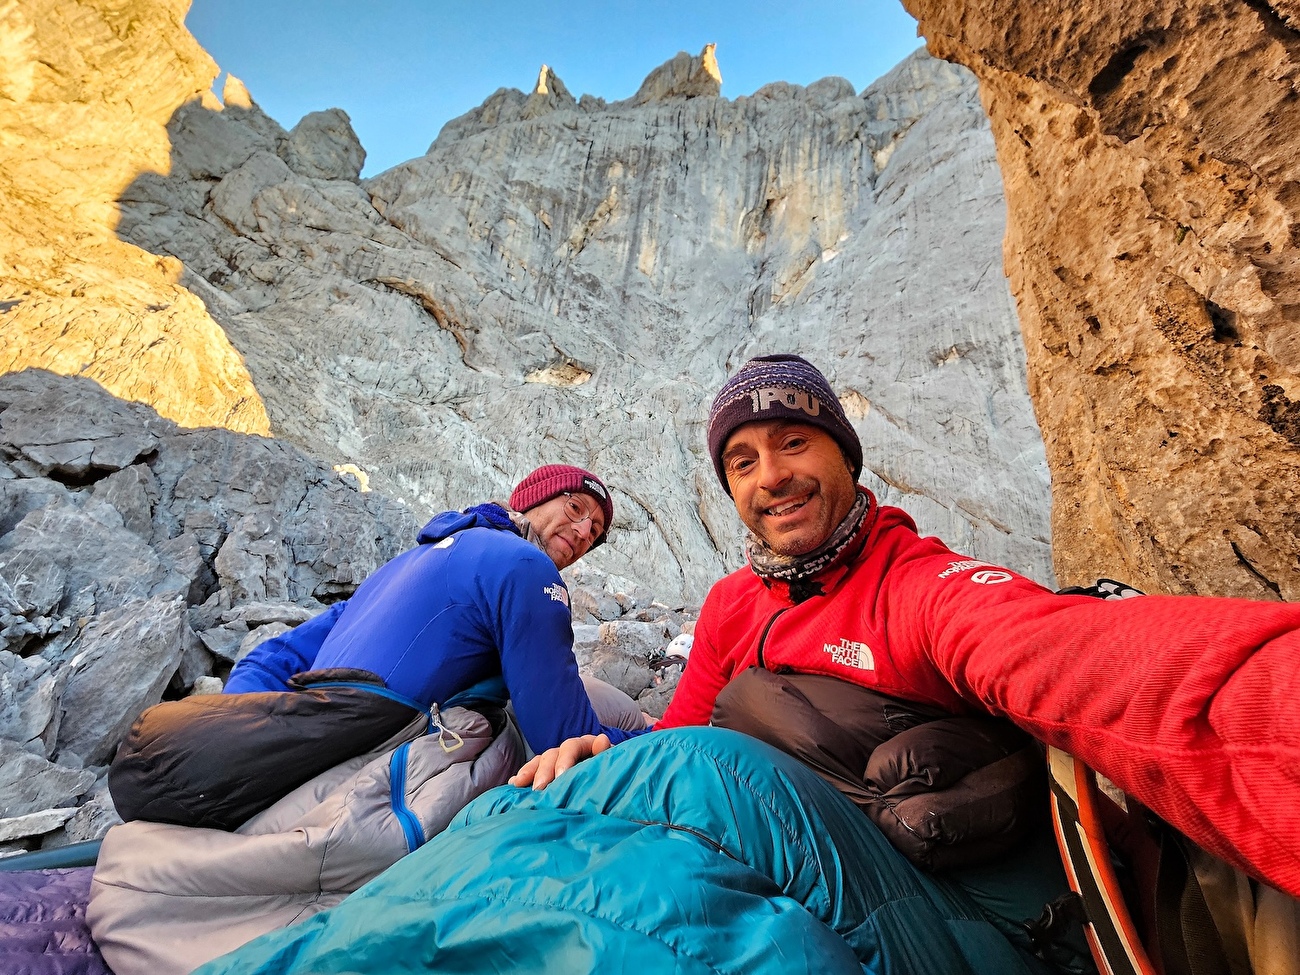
(909, 89)
(680, 77)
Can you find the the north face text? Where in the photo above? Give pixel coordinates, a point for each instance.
(847, 653)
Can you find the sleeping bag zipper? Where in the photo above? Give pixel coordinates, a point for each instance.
(406, 818)
(410, 824)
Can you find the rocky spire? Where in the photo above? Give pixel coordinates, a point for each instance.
(548, 95)
(235, 94)
(682, 77)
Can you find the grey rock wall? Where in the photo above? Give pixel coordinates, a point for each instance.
(140, 560)
(124, 542)
(563, 280)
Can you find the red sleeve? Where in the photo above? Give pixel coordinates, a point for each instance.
(706, 673)
(1192, 704)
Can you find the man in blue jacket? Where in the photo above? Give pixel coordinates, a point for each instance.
(479, 597)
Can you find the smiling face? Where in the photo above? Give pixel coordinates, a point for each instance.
(562, 538)
(790, 482)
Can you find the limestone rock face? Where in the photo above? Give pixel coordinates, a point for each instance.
(87, 90)
(30, 784)
(137, 573)
(556, 280)
(1149, 156)
(323, 146)
(118, 530)
(565, 281)
(125, 660)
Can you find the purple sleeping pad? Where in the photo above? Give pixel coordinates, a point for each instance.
(43, 924)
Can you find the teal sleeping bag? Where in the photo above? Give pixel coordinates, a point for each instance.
(692, 850)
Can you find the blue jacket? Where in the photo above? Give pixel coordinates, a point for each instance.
(472, 601)
(687, 851)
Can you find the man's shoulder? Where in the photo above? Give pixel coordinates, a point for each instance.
(895, 520)
(492, 547)
(488, 556)
(896, 535)
(899, 552)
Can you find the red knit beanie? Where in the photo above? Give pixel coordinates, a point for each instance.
(552, 480)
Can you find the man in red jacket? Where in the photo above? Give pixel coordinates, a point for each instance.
(1191, 704)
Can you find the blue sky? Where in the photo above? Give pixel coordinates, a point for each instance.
(403, 68)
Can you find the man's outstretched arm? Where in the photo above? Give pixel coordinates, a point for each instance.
(1191, 704)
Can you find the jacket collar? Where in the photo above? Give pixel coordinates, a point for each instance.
(490, 515)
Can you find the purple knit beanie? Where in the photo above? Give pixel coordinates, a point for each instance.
(552, 480)
(779, 387)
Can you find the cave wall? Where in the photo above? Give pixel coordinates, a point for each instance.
(1153, 195)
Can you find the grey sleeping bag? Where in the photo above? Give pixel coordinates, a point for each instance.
(165, 899)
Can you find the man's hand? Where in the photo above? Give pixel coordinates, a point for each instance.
(543, 769)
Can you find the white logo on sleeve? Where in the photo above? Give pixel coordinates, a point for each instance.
(989, 577)
(956, 567)
(847, 653)
(558, 593)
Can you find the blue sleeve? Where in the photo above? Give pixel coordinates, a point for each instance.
(270, 664)
(529, 615)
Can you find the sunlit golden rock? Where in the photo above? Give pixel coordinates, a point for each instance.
(86, 92)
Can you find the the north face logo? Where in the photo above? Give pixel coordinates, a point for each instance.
(792, 399)
(593, 487)
(558, 593)
(850, 654)
(955, 568)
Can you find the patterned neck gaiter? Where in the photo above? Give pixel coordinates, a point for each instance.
(795, 568)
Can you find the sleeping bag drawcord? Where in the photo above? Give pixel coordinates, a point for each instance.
(444, 734)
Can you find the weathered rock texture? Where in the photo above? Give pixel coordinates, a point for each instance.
(86, 92)
(139, 559)
(565, 280)
(1149, 155)
(125, 541)
(556, 280)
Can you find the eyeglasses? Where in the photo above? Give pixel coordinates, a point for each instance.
(577, 513)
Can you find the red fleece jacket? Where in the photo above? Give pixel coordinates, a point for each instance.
(1192, 704)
